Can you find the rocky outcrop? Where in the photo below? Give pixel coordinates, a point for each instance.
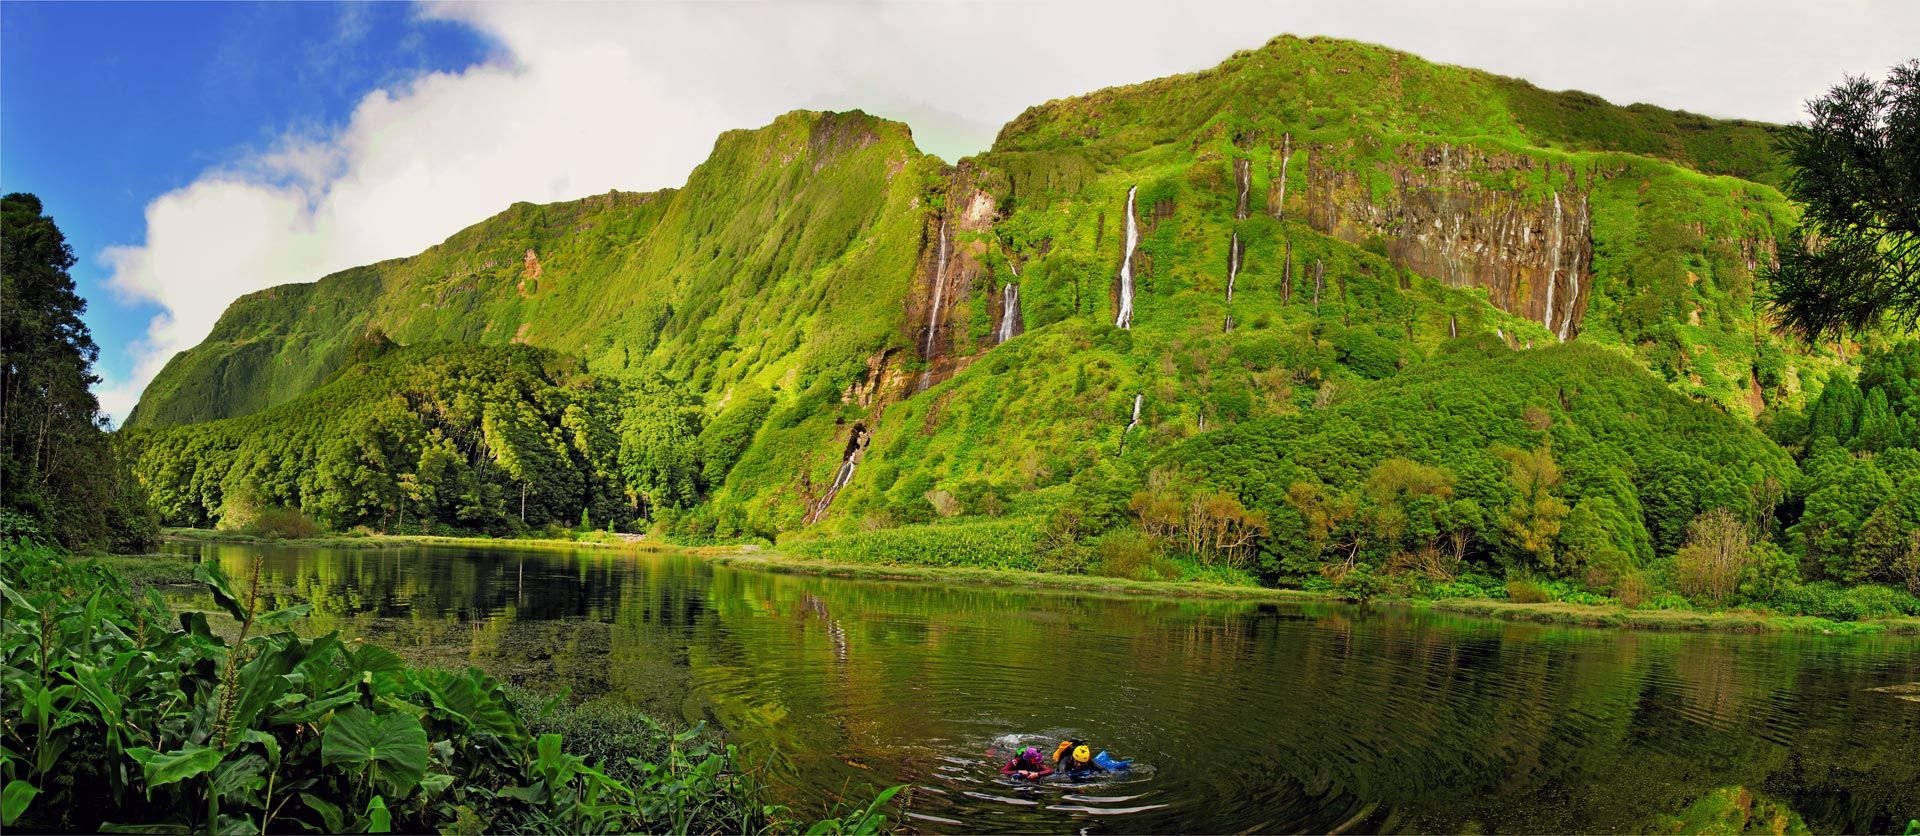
(1458, 213)
(949, 275)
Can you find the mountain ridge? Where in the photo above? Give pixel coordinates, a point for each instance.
(1297, 237)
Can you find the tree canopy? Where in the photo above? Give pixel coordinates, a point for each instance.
(1855, 170)
(59, 475)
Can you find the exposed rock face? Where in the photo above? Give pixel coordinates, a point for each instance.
(949, 275)
(1441, 218)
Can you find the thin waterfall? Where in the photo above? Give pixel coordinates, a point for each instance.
(1573, 301)
(1243, 172)
(855, 445)
(933, 314)
(1286, 276)
(1125, 318)
(1553, 269)
(1010, 310)
(1136, 414)
(1233, 265)
(1286, 155)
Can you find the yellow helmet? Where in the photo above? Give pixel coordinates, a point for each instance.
(1082, 753)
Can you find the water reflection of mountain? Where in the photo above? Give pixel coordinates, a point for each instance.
(1264, 717)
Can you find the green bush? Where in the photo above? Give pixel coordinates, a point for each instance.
(282, 524)
(1127, 553)
(1527, 591)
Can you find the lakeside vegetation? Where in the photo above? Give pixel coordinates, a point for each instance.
(134, 716)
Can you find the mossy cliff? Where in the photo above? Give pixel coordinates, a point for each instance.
(870, 335)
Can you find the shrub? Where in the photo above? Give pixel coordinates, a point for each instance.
(1527, 591)
(282, 523)
(1632, 590)
(1359, 583)
(1718, 552)
(1127, 553)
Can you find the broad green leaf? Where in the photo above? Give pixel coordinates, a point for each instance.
(194, 623)
(436, 784)
(18, 600)
(210, 573)
(240, 779)
(308, 712)
(393, 744)
(14, 800)
(372, 658)
(282, 617)
(264, 679)
(163, 768)
(331, 819)
(378, 819)
(475, 698)
(267, 742)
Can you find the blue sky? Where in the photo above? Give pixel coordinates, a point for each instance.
(195, 152)
(105, 106)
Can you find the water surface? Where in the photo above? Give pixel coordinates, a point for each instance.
(1242, 717)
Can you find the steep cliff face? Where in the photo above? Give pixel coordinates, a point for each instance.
(785, 256)
(1468, 217)
(954, 280)
(1305, 217)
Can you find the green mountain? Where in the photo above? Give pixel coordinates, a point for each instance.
(843, 333)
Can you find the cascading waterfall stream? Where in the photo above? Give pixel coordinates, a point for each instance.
(1233, 273)
(933, 314)
(1553, 269)
(856, 443)
(1233, 265)
(1136, 414)
(1009, 309)
(1125, 317)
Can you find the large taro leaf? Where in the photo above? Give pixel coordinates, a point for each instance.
(476, 699)
(393, 744)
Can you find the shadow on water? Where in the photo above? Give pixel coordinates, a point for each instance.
(1240, 717)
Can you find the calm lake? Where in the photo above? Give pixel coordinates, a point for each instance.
(1240, 717)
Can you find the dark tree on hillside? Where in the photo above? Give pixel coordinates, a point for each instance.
(1856, 169)
(58, 471)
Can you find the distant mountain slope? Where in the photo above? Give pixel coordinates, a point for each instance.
(798, 236)
(1297, 221)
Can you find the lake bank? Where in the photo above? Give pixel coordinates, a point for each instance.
(388, 541)
(750, 557)
(1550, 612)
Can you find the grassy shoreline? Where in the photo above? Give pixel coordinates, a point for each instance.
(1551, 613)
(394, 541)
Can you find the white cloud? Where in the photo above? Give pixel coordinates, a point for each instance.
(594, 96)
